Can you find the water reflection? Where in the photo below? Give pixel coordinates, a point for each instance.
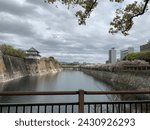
(67, 80)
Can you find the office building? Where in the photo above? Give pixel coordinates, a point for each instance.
(112, 56)
(145, 47)
(124, 53)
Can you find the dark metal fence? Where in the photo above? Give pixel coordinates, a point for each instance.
(119, 107)
(135, 106)
(39, 108)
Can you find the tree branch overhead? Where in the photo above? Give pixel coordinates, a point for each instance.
(123, 21)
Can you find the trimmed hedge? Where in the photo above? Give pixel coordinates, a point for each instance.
(144, 55)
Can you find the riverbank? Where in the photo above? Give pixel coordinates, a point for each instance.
(12, 68)
(122, 80)
(129, 80)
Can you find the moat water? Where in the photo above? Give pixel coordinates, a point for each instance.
(67, 80)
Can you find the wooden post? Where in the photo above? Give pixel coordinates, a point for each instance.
(81, 101)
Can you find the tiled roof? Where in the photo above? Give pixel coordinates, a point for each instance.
(32, 50)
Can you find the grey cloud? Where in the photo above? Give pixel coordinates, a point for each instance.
(15, 8)
(13, 27)
(36, 2)
(55, 31)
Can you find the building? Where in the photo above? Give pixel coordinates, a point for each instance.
(107, 61)
(112, 56)
(76, 63)
(124, 53)
(145, 47)
(32, 53)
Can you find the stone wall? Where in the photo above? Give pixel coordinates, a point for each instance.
(43, 66)
(2, 69)
(12, 67)
(122, 80)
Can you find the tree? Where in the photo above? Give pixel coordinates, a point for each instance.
(144, 55)
(123, 21)
(10, 50)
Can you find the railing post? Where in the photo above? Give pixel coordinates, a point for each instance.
(81, 101)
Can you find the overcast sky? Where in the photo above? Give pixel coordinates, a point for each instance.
(55, 31)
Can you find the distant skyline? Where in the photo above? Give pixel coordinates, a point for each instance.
(55, 31)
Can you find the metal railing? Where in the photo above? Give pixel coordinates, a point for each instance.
(134, 106)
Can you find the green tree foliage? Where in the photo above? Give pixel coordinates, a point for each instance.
(144, 55)
(9, 50)
(123, 21)
(51, 58)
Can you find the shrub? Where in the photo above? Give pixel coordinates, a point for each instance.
(145, 55)
(10, 50)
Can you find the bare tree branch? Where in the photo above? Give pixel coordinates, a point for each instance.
(143, 11)
(123, 21)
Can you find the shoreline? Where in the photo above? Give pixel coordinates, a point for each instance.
(30, 75)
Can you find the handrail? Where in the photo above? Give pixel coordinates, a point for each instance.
(116, 92)
(80, 94)
(30, 93)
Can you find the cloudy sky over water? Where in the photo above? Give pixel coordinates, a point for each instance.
(54, 31)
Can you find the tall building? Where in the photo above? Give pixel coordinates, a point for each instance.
(145, 47)
(124, 53)
(112, 56)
